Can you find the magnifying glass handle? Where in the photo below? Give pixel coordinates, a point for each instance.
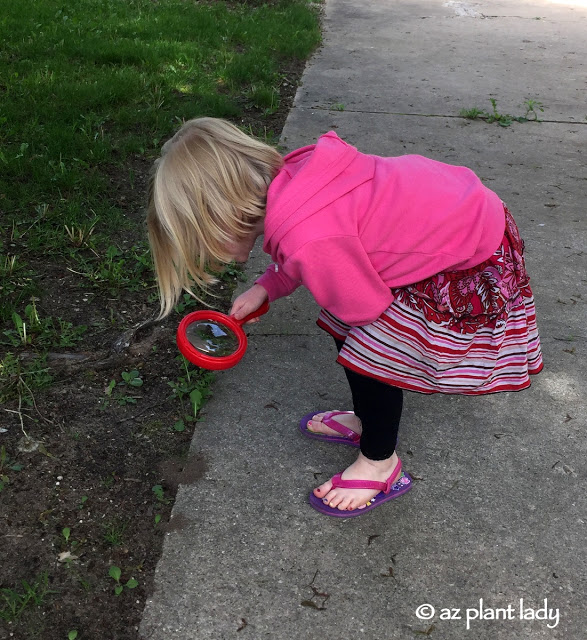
(259, 312)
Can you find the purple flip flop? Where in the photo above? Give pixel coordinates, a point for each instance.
(348, 436)
(388, 492)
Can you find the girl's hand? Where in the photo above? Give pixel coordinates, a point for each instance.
(248, 302)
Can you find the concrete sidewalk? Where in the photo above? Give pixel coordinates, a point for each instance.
(498, 510)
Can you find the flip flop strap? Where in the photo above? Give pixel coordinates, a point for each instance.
(337, 481)
(353, 436)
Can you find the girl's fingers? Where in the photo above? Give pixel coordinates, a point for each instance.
(240, 312)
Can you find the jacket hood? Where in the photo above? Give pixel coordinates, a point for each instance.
(330, 169)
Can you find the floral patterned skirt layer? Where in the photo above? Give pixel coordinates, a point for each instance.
(470, 332)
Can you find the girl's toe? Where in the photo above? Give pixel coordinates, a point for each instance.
(333, 501)
(344, 504)
(358, 504)
(323, 489)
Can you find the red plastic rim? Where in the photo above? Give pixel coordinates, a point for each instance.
(201, 359)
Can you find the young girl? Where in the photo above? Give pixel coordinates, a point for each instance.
(417, 266)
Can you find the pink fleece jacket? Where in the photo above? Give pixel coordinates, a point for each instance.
(350, 226)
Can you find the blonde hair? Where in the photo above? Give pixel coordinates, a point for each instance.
(208, 187)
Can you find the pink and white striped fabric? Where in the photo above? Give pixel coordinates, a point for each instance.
(470, 332)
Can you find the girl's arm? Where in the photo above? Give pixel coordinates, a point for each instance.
(271, 285)
(277, 283)
(339, 274)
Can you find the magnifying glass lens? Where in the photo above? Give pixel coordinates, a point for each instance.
(212, 338)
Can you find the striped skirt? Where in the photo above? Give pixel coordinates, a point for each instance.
(469, 332)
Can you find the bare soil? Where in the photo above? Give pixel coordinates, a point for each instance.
(95, 459)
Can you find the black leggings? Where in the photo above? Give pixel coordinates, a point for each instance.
(379, 407)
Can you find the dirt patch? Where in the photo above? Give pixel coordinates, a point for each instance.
(89, 477)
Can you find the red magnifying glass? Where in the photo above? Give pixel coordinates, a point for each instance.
(213, 340)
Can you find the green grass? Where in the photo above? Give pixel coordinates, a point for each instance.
(19, 378)
(113, 532)
(28, 594)
(87, 87)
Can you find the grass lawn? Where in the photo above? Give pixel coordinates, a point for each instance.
(97, 410)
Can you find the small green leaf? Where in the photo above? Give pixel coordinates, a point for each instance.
(179, 425)
(196, 398)
(17, 321)
(132, 583)
(66, 533)
(72, 635)
(118, 589)
(115, 573)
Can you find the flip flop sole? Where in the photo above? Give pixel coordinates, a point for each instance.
(403, 485)
(322, 436)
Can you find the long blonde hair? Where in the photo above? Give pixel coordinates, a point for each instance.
(208, 187)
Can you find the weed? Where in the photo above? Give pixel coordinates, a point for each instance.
(338, 106)
(43, 333)
(267, 136)
(80, 235)
(116, 270)
(19, 379)
(115, 573)
(194, 384)
(7, 268)
(504, 119)
(472, 114)
(159, 494)
(179, 426)
(105, 402)
(124, 400)
(14, 602)
(234, 271)
(72, 635)
(70, 546)
(531, 106)
(264, 97)
(130, 379)
(114, 532)
(186, 303)
(109, 480)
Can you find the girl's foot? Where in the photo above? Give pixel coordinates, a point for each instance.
(362, 469)
(347, 419)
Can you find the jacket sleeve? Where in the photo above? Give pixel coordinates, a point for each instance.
(340, 276)
(277, 283)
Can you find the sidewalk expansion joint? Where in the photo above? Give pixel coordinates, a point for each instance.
(427, 115)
